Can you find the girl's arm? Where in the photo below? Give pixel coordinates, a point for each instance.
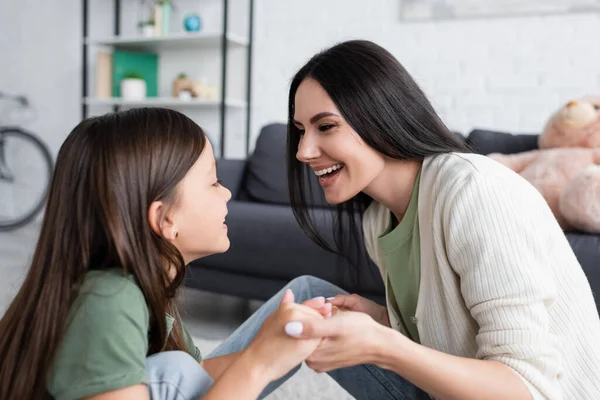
(243, 379)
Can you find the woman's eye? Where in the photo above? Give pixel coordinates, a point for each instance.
(324, 128)
(217, 183)
(301, 132)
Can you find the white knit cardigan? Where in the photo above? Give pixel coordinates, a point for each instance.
(499, 280)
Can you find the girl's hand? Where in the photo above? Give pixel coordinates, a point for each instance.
(354, 302)
(349, 338)
(276, 352)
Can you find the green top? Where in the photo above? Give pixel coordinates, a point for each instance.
(106, 341)
(401, 253)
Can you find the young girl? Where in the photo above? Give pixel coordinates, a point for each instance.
(134, 198)
(485, 298)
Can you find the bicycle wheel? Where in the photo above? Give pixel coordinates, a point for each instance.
(25, 174)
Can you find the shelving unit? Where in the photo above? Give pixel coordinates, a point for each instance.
(223, 41)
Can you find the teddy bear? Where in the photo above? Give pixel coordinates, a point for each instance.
(566, 167)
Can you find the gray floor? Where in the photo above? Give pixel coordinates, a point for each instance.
(206, 315)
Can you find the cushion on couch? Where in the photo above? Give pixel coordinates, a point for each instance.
(486, 142)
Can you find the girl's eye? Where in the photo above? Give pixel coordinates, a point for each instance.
(217, 183)
(324, 128)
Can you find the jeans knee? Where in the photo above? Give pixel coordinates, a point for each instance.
(308, 286)
(176, 375)
(172, 361)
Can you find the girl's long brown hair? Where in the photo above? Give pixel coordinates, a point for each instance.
(108, 172)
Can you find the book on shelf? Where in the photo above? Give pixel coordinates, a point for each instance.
(103, 74)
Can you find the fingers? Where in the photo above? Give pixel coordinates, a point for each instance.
(348, 301)
(312, 329)
(318, 304)
(315, 303)
(288, 297)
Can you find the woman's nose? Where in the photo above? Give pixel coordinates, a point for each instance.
(308, 149)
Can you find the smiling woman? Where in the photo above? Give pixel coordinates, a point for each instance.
(485, 298)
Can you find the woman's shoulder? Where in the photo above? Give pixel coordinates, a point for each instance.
(452, 171)
(462, 164)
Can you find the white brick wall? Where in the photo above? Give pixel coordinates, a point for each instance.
(503, 73)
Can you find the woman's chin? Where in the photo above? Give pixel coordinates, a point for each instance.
(336, 198)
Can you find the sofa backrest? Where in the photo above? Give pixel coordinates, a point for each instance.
(486, 142)
(266, 171)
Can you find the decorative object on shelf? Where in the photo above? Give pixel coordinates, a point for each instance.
(133, 87)
(182, 84)
(166, 7)
(147, 28)
(161, 13)
(192, 23)
(196, 88)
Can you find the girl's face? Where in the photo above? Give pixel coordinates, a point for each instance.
(345, 164)
(196, 222)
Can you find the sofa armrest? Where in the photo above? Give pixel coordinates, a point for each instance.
(231, 174)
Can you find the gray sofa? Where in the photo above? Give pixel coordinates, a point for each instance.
(268, 249)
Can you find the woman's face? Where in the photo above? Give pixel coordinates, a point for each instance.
(197, 219)
(345, 164)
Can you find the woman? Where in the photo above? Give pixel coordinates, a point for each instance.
(485, 298)
(134, 198)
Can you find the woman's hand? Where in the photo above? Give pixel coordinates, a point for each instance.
(354, 302)
(348, 338)
(276, 352)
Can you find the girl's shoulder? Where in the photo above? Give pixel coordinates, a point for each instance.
(108, 294)
(105, 342)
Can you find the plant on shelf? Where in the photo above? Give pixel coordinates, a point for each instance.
(133, 86)
(147, 27)
(133, 75)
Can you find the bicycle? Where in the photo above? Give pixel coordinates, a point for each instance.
(26, 167)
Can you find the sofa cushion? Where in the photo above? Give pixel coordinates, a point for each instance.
(266, 174)
(486, 142)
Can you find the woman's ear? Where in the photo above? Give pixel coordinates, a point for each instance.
(160, 222)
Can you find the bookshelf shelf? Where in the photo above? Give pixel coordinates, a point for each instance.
(180, 41)
(164, 102)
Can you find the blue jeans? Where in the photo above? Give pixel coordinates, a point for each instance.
(191, 382)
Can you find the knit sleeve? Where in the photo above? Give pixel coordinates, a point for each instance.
(496, 229)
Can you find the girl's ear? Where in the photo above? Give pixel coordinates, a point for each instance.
(160, 222)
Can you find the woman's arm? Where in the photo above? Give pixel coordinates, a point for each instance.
(497, 234)
(447, 377)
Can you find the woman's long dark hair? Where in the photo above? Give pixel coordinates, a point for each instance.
(108, 172)
(387, 109)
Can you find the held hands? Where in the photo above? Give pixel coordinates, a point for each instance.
(354, 302)
(351, 333)
(346, 339)
(277, 352)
